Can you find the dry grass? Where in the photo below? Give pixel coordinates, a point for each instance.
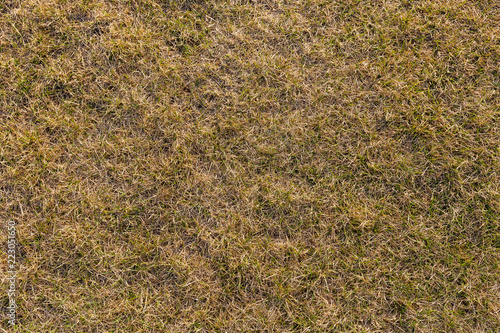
(265, 166)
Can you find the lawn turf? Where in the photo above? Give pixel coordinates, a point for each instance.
(252, 166)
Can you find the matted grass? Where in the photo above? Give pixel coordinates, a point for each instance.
(265, 166)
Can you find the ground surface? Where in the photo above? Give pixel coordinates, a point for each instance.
(266, 166)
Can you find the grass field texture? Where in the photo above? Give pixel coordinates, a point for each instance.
(251, 166)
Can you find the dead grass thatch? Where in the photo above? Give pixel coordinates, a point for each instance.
(264, 166)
